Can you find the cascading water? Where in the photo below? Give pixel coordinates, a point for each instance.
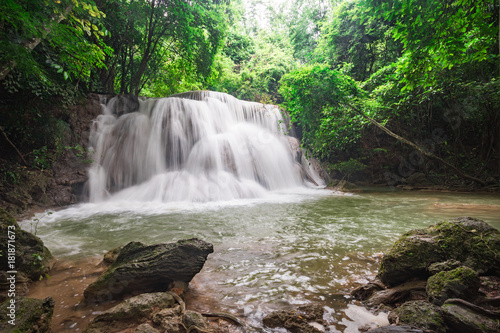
(196, 146)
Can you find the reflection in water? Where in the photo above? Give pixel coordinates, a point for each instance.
(287, 249)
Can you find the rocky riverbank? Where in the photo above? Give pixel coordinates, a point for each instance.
(445, 278)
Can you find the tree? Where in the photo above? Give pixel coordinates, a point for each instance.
(64, 27)
(358, 43)
(147, 33)
(438, 35)
(315, 96)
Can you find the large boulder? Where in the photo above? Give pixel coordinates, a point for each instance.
(31, 315)
(470, 241)
(31, 259)
(139, 269)
(462, 282)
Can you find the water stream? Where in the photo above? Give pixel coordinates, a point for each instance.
(278, 252)
(230, 172)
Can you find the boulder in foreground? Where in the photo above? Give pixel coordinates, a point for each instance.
(139, 268)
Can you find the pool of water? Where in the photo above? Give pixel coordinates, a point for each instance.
(277, 252)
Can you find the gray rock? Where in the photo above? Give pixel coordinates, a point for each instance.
(140, 268)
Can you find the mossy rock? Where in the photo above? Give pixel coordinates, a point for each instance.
(31, 316)
(32, 259)
(462, 282)
(472, 242)
(420, 314)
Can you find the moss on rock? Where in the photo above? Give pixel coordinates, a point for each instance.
(472, 242)
(420, 314)
(462, 282)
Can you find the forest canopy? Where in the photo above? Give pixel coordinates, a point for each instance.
(428, 70)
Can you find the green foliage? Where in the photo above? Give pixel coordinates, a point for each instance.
(256, 79)
(316, 98)
(159, 42)
(359, 43)
(42, 38)
(349, 167)
(438, 35)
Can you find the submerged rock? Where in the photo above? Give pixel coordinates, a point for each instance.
(31, 315)
(296, 321)
(32, 260)
(462, 282)
(148, 313)
(139, 268)
(472, 242)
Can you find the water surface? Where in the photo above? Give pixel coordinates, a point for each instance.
(276, 252)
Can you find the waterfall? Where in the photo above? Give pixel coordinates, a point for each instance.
(196, 146)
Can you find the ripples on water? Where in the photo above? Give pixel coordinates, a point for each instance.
(272, 253)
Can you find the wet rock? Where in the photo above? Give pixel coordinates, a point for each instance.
(464, 317)
(31, 315)
(472, 242)
(139, 268)
(395, 329)
(462, 282)
(410, 291)
(420, 314)
(32, 259)
(296, 321)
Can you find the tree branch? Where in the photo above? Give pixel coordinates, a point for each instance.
(13, 146)
(424, 151)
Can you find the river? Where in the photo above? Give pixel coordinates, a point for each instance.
(277, 252)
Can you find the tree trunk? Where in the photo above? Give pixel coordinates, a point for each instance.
(422, 150)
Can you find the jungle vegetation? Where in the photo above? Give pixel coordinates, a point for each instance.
(426, 70)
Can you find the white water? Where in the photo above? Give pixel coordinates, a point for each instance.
(195, 147)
